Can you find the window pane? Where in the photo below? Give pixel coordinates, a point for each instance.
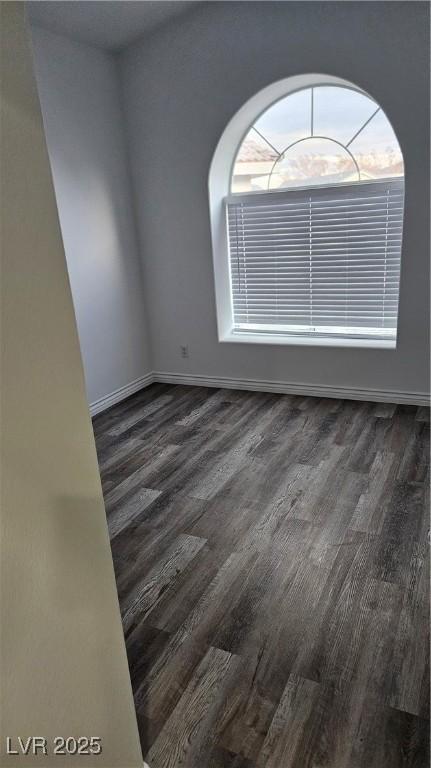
(377, 151)
(318, 261)
(287, 120)
(340, 112)
(253, 164)
(313, 162)
(280, 152)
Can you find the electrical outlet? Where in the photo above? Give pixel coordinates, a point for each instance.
(184, 350)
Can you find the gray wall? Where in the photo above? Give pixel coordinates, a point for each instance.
(80, 98)
(181, 88)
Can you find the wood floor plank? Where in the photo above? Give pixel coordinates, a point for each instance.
(230, 463)
(122, 515)
(203, 411)
(192, 727)
(117, 452)
(148, 537)
(423, 413)
(139, 414)
(367, 516)
(317, 480)
(172, 671)
(138, 478)
(410, 678)
(404, 743)
(384, 410)
(289, 724)
(414, 465)
(401, 528)
(335, 634)
(179, 601)
(271, 554)
(103, 421)
(350, 715)
(147, 592)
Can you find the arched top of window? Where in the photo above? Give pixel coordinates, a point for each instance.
(317, 136)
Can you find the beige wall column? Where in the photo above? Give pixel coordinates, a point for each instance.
(63, 663)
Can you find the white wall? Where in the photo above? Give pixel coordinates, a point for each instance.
(181, 88)
(63, 659)
(80, 98)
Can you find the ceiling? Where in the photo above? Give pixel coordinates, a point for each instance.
(111, 25)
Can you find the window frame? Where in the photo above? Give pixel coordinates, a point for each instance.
(220, 176)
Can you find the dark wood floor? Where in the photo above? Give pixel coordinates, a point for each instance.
(271, 556)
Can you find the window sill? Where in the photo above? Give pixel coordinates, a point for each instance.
(307, 341)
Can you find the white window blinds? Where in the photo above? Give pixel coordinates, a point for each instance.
(322, 261)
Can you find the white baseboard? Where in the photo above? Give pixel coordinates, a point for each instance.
(314, 390)
(120, 394)
(259, 385)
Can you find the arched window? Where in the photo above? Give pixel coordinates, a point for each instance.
(314, 218)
